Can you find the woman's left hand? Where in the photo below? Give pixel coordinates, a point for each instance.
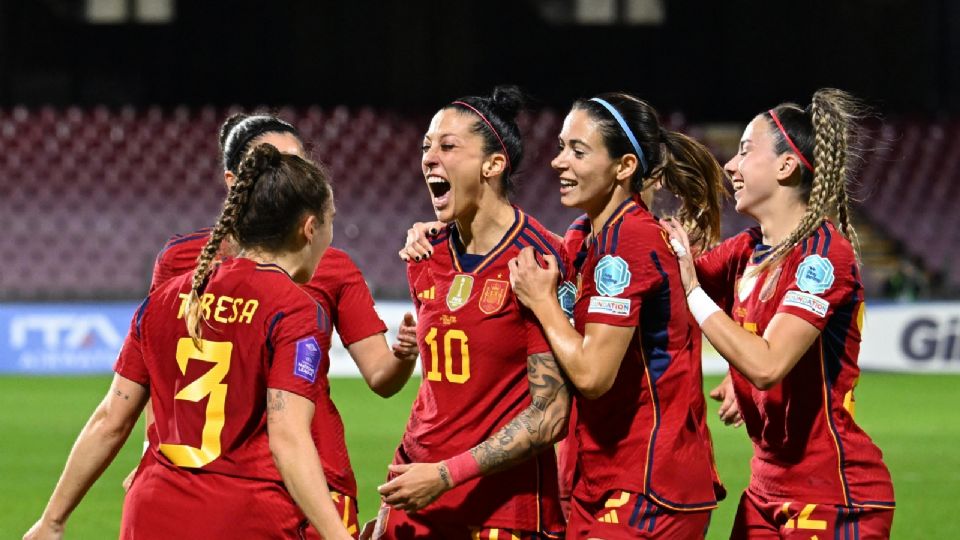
(531, 282)
(680, 243)
(418, 485)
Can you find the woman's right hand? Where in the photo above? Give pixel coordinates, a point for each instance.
(534, 284)
(729, 409)
(680, 243)
(418, 246)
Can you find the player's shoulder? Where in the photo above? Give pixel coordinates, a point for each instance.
(631, 226)
(283, 289)
(180, 243)
(335, 256)
(827, 242)
(579, 228)
(825, 253)
(335, 267)
(533, 233)
(168, 291)
(743, 243)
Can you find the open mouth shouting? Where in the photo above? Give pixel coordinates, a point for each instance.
(440, 189)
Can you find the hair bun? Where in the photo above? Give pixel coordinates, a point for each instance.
(260, 159)
(228, 125)
(508, 100)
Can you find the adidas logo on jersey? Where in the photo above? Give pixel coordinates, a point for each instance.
(428, 294)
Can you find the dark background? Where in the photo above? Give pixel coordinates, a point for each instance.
(714, 60)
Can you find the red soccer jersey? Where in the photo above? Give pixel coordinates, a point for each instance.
(340, 288)
(474, 342)
(209, 403)
(646, 434)
(806, 444)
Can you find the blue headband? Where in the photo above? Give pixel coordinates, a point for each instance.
(626, 129)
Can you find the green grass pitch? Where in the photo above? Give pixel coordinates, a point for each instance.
(912, 417)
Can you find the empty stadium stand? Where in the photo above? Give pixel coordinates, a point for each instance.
(88, 196)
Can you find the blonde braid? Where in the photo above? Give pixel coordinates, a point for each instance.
(839, 110)
(832, 111)
(250, 170)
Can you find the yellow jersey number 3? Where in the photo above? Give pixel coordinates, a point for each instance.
(209, 384)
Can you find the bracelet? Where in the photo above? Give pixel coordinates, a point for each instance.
(463, 467)
(701, 306)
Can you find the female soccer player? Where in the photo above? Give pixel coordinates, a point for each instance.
(492, 396)
(644, 466)
(337, 285)
(791, 332)
(248, 347)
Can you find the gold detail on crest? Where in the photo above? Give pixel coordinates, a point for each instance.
(494, 293)
(459, 291)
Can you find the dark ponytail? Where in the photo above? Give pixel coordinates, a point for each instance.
(497, 124)
(684, 166)
(689, 171)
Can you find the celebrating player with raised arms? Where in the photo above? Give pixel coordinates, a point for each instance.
(644, 464)
(476, 460)
(790, 327)
(227, 354)
(337, 285)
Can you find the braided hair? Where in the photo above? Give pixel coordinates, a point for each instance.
(825, 130)
(263, 209)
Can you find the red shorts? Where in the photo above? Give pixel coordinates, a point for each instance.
(347, 509)
(632, 515)
(399, 525)
(758, 518)
(168, 502)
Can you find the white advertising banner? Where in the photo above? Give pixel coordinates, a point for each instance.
(85, 338)
(921, 337)
(341, 365)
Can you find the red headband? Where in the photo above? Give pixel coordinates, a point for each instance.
(790, 141)
(489, 125)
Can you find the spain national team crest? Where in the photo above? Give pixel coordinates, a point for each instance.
(459, 291)
(494, 293)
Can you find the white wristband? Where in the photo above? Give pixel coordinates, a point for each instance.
(701, 305)
(146, 446)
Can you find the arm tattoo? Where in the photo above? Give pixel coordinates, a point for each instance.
(538, 426)
(445, 476)
(119, 394)
(275, 403)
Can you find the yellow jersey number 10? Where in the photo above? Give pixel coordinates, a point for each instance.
(450, 336)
